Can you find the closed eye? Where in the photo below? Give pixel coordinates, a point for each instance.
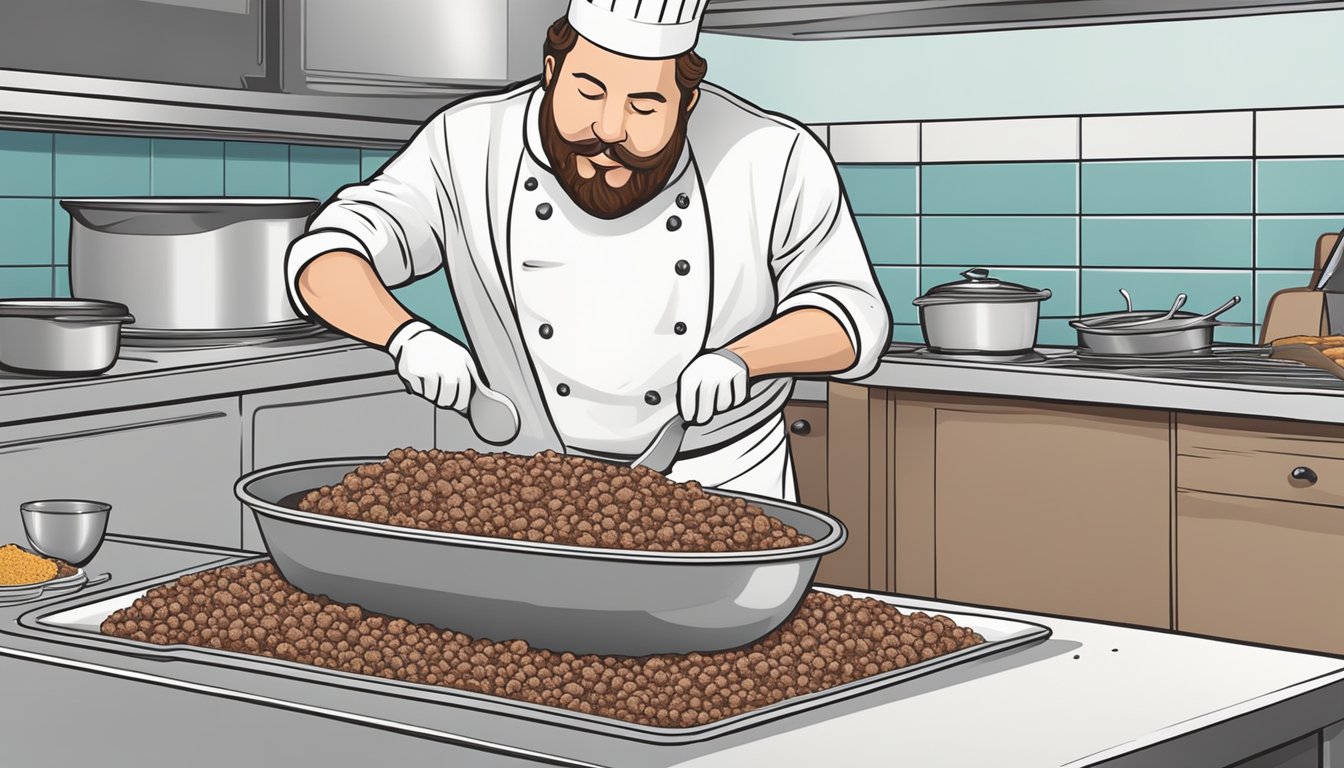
(590, 96)
(637, 110)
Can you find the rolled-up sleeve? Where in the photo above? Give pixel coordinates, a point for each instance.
(818, 259)
(396, 219)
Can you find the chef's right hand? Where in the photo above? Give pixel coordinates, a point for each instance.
(433, 365)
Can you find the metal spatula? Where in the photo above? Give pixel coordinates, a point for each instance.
(662, 452)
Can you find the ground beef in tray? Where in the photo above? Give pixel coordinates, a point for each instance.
(831, 640)
(549, 497)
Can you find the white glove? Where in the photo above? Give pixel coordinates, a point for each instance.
(712, 383)
(433, 365)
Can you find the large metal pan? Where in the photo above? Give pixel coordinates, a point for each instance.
(558, 597)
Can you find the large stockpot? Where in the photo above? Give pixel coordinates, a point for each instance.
(554, 596)
(180, 264)
(980, 315)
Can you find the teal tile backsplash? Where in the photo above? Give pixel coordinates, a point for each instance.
(1284, 242)
(1171, 187)
(988, 241)
(1211, 227)
(258, 170)
(1300, 186)
(1174, 242)
(98, 166)
(186, 168)
(25, 163)
(891, 189)
(320, 171)
(998, 188)
(26, 226)
(890, 240)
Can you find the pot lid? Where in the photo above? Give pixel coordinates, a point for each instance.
(979, 286)
(61, 308)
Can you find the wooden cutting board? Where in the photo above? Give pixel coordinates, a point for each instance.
(1306, 353)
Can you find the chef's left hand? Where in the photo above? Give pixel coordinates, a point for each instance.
(712, 383)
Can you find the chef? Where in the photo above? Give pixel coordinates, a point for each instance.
(625, 244)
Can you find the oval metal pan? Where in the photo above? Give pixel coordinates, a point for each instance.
(559, 597)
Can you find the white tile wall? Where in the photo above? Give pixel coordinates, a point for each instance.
(1214, 134)
(1050, 138)
(822, 132)
(1299, 132)
(875, 142)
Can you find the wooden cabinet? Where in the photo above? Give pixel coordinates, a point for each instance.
(1049, 508)
(1260, 531)
(1011, 503)
(806, 423)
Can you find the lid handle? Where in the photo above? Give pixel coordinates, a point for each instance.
(978, 273)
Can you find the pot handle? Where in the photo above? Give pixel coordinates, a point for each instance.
(979, 273)
(88, 320)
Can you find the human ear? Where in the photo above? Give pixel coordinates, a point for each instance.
(693, 99)
(550, 70)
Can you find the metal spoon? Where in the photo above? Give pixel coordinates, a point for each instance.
(494, 418)
(1175, 305)
(1129, 304)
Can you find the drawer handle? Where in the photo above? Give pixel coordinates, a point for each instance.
(801, 427)
(1304, 475)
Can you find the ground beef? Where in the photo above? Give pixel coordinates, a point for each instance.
(829, 641)
(549, 497)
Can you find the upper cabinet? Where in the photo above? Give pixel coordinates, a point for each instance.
(213, 43)
(416, 47)
(837, 19)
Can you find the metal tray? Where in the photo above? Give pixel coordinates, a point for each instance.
(77, 620)
(61, 585)
(554, 596)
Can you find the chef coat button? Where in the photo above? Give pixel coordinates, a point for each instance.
(679, 328)
(652, 398)
(562, 390)
(683, 267)
(673, 223)
(544, 211)
(530, 184)
(683, 200)
(546, 331)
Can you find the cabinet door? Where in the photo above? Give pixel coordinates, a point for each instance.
(1054, 509)
(353, 419)
(807, 442)
(168, 471)
(1260, 570)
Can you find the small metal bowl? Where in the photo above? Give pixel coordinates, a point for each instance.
(66, 529)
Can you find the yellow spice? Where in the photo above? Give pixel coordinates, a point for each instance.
(20, 567)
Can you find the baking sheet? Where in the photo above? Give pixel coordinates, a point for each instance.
(78, 620)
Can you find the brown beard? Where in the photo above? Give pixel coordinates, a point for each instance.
(648, 175)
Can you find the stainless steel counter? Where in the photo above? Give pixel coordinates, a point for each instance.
(1093, 694)
(1235, 381)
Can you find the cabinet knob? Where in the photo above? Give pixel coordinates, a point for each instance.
(1304, 475)
(800, 427)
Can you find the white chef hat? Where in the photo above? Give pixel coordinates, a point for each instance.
(646, 29)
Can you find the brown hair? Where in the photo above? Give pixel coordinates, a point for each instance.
(562, 36)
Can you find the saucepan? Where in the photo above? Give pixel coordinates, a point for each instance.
(980, 315)
(1151, 332)
(60, 337)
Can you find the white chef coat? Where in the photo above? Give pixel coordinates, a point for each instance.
(780, 236)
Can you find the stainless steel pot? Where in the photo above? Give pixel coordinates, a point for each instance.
(205, 264)
(980, 315)
(60, 337)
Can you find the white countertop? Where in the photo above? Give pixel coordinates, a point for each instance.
(1091, 694)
